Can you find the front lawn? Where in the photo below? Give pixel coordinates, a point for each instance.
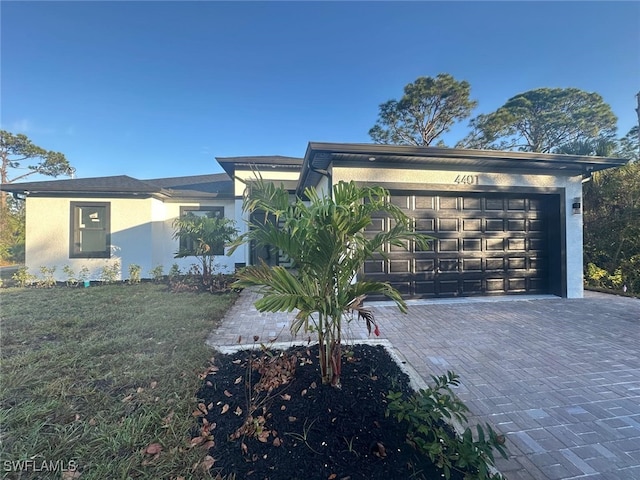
(103, 379)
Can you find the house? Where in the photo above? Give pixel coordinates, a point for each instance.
(502, 222)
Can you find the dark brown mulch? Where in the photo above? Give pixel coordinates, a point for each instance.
(309, 430)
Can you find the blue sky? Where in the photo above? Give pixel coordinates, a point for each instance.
(158, 89)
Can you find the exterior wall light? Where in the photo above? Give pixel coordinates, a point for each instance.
(576, 206)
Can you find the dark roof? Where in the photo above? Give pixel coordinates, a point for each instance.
(208, 186)
(320, 155)
(217, 184)
(118, 184)
(230, 164)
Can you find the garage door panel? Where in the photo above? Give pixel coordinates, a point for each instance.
(494, 225)
(425, 202)
(494, 204)
(448, 245)
(471, 203)
(494, 244)
(448, 287)
(516, 204)
(472, 244)
(406, 246)
(516, 244)
(402, 201)
(495, 285)
(400, 266)
(483, 244)
(516, 225)
(447, 225)
(471, 265)
(374, 266)
(448, 203)
(425, 225)
(516, 284)
(425, 265)
(472, 286)
(425, 288)
(472, 225)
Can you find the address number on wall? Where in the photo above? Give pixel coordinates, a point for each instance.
(466, 179)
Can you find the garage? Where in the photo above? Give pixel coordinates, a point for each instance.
(482, 244)
(502, 223)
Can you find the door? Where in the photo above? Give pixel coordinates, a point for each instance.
(483, 244)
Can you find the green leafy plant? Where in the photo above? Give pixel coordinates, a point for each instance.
(157, 273)
(84, 274)
(174, 271)
(203, 237)
(71, 280)
(47, 280)
(110, 273)
(134, 273)
(23, 278)
(327, 245)
(426, 413)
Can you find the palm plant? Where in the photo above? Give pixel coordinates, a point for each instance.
(203, 238)
(327, 244)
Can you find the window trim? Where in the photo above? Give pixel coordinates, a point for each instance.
(74, 230)
(204, 208)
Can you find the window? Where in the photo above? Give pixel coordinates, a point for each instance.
(90, 230)
(186, 244)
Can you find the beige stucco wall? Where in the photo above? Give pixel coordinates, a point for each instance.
(437, 179)
(48, 230)
(141, 233)
(249, 175)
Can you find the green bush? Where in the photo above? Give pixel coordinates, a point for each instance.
(134, 273)
(23, 278)
(426, 413)
(109, 273)
(157, 273)
(47, 280)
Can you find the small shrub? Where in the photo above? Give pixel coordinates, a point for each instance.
(23, 278)
(134, 273)
(426, 411)
(157, 273)
(174, 271)
(47, 280)
(109, 273)
(72, 280)
(84, 274)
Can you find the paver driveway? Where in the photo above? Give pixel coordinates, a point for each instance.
(559, 377)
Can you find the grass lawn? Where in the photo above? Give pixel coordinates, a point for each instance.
(92, 377)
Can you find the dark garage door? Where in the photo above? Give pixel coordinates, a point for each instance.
(484, 244)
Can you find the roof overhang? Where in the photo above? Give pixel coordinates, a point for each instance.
(320, 156)
(122, 186)
(257, 163)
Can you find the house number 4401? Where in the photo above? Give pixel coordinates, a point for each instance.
(465, 179)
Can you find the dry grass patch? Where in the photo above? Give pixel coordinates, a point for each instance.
(94, 377)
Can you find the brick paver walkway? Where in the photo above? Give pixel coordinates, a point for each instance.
(559, 377)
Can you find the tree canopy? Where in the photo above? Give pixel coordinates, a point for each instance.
(21, 158)
(19, 153)
(543, 120)
(428, 108)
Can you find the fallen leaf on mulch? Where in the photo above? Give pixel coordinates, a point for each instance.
(208, 462)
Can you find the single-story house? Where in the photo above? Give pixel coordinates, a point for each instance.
(502, 222)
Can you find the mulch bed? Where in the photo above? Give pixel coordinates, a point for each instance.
(302, 429)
